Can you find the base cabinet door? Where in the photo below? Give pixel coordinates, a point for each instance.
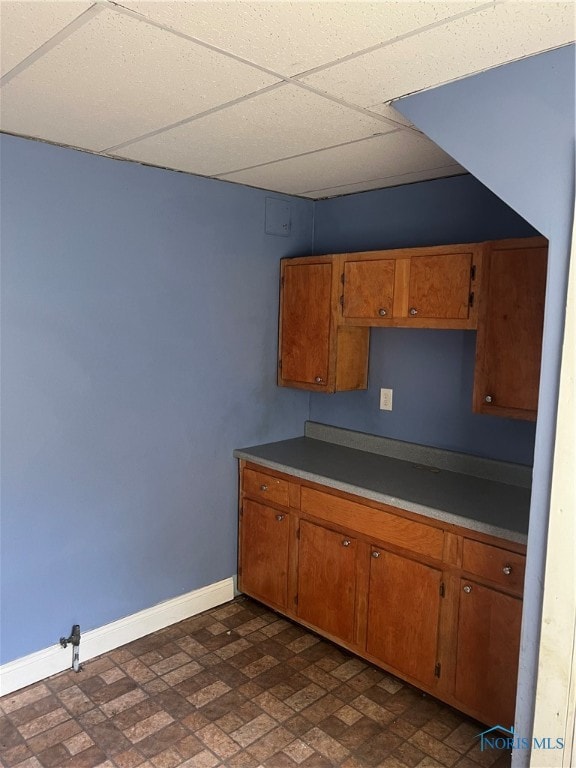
(403, 614)
(264, 547)
(327, 580)
(487, 652)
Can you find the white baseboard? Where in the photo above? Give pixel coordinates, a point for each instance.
(37, 666)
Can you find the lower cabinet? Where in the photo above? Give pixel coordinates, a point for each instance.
(404, 614)
(327, 580)
(487, 652)
(437, 606)
(264, 547)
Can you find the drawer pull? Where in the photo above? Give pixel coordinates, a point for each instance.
(507, 570)
(413, 311)
(467, 588)
(375, 554)
(382, 312)
(280, 518)
(346, 543)
(263, 487)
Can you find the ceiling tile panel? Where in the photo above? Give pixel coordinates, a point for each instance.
(285, 121)
(389, 181)
(28, 25)
(293, 37)
(460, 47)
(373, 160)
(117, 78)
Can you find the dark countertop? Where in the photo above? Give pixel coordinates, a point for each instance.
(478, 503)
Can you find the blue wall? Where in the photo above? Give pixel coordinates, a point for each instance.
(514, 128)
(430, 371)
(139, 344)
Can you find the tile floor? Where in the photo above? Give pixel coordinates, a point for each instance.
(236, 687)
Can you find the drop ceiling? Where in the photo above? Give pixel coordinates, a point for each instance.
(292, 97)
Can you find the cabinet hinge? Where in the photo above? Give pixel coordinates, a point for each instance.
(342, 278)
(280, 364)
(342, 301)
(437, 669)
(298, 533)
(473, 272)
(471, 299)
(442, 589)
(282, 282)
(296, 600)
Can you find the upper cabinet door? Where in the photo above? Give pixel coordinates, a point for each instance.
(306, 322)
(369, 290)
(315, 351)
(509, 344)
(432, 287)
(440, 287)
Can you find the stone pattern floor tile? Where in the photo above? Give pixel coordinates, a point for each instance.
(235, 687)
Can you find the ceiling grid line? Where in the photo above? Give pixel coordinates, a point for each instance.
(82, 19)
(396, 39)
(193, 118)
(307, 154)
(288, 79)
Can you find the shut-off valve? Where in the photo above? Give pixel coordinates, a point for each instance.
(74, 641)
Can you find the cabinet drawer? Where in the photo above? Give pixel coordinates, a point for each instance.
(266, 487)
(376, 524)
(493, 563)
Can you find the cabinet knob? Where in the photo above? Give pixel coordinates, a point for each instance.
(467, 588)
(413, 311)
(346, 543)
(382, 312)
(488, 398)
(507, 570)
(280, 518)
(319, 380)
(376, 554)
(263, 487)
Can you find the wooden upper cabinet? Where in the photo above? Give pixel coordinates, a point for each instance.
(440, 287)
(306, 322)
(412, 287)
(511, 318)
(314, 351)
(369, 289)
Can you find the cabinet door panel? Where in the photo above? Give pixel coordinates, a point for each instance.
(264, 543)
(327, 580)
(369, 289)
(510, 333)
(439, 286)
(305, 322)
(403, 614)
(487, 652)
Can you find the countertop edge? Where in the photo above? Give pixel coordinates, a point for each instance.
(424, 511)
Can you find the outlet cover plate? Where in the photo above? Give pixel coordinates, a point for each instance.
(385, 399)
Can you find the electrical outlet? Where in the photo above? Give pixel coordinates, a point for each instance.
(385, 399)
